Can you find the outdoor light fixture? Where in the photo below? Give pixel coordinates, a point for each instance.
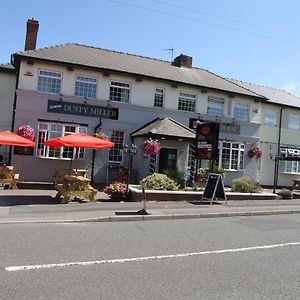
(130, 150)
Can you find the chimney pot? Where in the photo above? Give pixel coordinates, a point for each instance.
(183, 61)
(31, 34)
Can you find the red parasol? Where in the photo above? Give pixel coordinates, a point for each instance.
(79, 140)
(12, 139)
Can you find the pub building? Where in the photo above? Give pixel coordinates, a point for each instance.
(77, 88)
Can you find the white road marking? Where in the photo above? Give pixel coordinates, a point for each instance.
(145, 258)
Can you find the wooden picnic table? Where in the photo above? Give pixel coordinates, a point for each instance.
(7, 177)
(75, 186)
(59, 174)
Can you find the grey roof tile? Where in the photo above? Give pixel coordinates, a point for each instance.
(133, 64)
(278, 96)
(165, 127)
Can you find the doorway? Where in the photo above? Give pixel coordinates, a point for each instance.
(167, 159)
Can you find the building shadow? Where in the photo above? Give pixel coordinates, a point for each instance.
(27, 200)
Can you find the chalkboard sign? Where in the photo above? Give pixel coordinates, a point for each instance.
(214, 188)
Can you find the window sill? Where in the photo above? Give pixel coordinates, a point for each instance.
(57, 158)
(289, 173)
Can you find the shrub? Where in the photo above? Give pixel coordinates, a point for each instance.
(203, 173)
(115, 188)
(158, 181)
(177, 176)
(245, 185)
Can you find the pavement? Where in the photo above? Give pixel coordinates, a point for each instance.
(40, 206)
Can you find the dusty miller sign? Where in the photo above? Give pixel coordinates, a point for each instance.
(71, 108)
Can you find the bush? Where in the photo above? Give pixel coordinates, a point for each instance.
(203, 173)
(245, 185)
(158, 181)
(177, 176)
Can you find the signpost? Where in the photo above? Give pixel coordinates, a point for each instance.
(214, 188)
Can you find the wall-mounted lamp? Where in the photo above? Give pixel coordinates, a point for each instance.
(105, 74)
(138, 79)
(70, 68)
(255, 111)
(61, 97)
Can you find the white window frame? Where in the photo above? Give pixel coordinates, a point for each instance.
(187, 102)
(218, 101)
(116, 153)
(270, 117)
(45, 132)
(238, 147)
(159, 97)
(241, 109)
(122, 87)
(289, 167)
(294, 124)
(46, 80)
(85, 86)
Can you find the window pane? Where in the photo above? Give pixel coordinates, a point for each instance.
(241, 111)
(270, 117)
(215, 107)
(159, 98)
(187, 102)
(85, 87)
(119, 91)
(294, 121)
(49, 82)
(115, 154)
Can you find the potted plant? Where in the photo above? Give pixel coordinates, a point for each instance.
(117, 190)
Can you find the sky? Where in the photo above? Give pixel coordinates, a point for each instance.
(257, 41)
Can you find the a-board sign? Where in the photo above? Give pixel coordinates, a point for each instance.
(214, 188)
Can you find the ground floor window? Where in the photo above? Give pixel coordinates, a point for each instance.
(115, 154)
(47, 131)
(292, 166)
(231, 155)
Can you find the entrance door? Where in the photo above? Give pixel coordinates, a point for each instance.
(167, 159)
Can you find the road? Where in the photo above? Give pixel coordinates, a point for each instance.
(214, 258)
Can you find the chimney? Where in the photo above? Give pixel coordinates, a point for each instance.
(183, 61)
(31, 34)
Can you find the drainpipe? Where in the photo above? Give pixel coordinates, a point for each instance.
(278, 153)
(94, 152)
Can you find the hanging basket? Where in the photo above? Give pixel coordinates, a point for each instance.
(26, 132)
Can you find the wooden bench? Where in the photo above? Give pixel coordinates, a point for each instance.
(7, 177)
(75, 187)
(60, 173)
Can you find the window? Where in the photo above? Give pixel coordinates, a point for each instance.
(241, 111)
(187, 102)
(49, 82)
(85, 87)
(231, 155)
(294, 121)
(159, 97)
(270, 117)
(115, 154)
(289, 166)
(119, 91)
(47, 131)
(215, 107)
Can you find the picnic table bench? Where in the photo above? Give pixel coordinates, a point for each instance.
(75, 186)
(59, 174)
(7, 177)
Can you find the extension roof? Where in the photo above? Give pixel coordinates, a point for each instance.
(165, 127)
(277, 96)
(133, 65)
(7, 68)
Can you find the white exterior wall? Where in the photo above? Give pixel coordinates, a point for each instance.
(32, 105)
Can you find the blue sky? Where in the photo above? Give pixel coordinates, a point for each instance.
(256, 41)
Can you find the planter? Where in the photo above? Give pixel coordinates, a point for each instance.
(117, 197)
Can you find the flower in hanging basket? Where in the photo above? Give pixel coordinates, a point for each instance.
(255, 151)
(150, 147)
(26, 132)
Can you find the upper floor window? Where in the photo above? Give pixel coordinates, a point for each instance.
(159, 97)
(49, 82)
(294, 121)
(231, 155)
(270, 117)
(215, 107)
(47, 131)
(119, 91)
(241, 111)
(115, 154)
(187, 102)
(85, 87)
